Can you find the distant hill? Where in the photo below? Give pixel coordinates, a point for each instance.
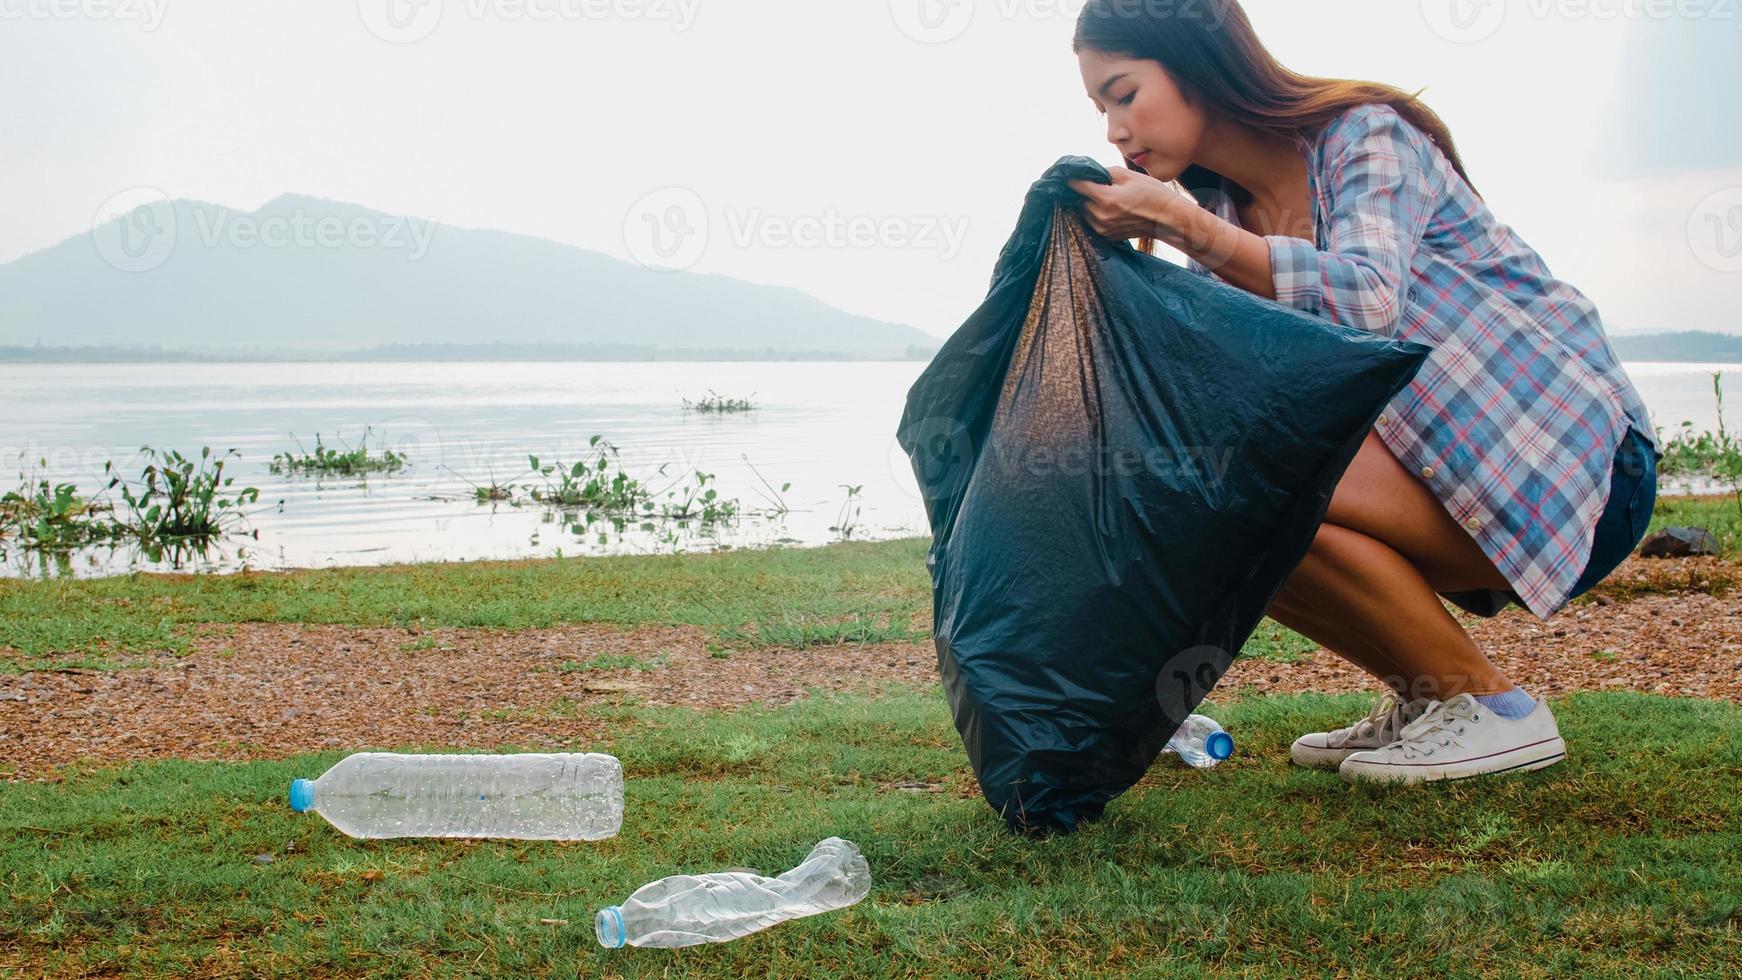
(306, 274)
(1686, 345)
(436, 352)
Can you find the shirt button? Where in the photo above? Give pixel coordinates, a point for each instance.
(1383, 420)
(1427, 472)
(1472, 524)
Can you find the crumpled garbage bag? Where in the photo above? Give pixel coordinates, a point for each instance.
(1122, 462)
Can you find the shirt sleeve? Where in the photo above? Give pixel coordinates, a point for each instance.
(1380, 198)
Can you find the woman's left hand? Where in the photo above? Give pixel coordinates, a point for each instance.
(1133, 206)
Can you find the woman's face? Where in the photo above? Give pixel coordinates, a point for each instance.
(1147, 117)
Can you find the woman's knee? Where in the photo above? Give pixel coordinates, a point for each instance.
(1327, 551)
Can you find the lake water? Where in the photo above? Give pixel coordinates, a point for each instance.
(816, 425)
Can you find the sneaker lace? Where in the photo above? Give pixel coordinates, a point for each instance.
(1382, 709)
(1440, 721)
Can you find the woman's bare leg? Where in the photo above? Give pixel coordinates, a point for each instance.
(1367, 587)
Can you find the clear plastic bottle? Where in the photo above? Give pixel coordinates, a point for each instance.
(686, 910)
(1201, 742)
(529, 796)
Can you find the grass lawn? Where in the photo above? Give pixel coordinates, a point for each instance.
(1626, 858)
(848, 592)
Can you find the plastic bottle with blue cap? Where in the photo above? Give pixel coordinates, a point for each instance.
(525, 796)
(1201, 742)
(687, 910)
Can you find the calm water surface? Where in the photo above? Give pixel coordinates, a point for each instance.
(817, 426)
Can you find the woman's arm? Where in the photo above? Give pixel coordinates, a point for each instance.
(1139, 206)
(1381, 198)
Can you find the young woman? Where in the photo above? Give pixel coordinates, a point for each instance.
(1520, 463)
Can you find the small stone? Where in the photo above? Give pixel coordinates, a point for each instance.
(1679, 542)
(262, 859)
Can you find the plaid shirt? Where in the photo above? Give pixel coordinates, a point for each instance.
(1514, 419)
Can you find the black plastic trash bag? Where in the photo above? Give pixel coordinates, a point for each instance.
(1122, 462)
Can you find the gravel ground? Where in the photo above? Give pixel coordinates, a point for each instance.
(263, 690)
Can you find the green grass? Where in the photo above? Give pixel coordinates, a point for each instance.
(613, 661)
(1717, 513)
(827, 594)
(851, 592)
(1627, 858)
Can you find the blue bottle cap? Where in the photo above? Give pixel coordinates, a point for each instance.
(302, 794)
(608, 926)
(1219, 745)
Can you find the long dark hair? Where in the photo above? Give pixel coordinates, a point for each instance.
(1210, 51)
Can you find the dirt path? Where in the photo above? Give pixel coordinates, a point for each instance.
(263, 690)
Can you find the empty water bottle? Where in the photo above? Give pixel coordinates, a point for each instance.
(685, 910)
(529, 796)
(1201, 742)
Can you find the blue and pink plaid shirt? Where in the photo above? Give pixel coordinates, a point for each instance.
(1514, 419)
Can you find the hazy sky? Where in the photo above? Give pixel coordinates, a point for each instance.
(871, 152)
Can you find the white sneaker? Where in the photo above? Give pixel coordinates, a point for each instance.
(1327, 750)
(1459, 738)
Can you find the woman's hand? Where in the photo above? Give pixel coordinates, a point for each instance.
(1133, 206)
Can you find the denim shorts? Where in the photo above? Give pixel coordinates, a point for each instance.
(1632, 497)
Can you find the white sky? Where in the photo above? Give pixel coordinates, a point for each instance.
(1599, 129)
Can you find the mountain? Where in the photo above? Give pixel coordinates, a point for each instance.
(303, 273)
(1685, 345)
